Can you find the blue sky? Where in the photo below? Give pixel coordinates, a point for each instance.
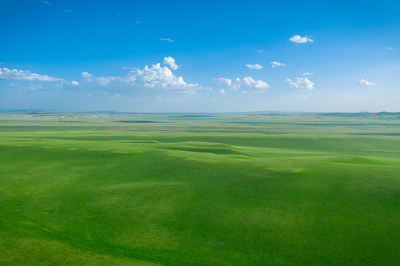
(200, 56)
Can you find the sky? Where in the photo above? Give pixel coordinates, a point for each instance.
(200, 56)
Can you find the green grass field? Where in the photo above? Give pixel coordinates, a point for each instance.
(244, 189)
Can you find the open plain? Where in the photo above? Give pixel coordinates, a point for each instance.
(209, 189)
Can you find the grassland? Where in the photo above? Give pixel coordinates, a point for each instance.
(238, 189)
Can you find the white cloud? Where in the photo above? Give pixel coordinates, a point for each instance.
(102, 81)
(261, 51)
(248, 84)
(277, 64)
(256, 84)
(160, 76)
(154, 76)
(299, 39)
(222, 91)
(15, 74)
(308, 74)
(225, 81)
(171, 62)
(166, 39)
(86, 75)
(105, 81)
(366, 83)
(255, 67)
(30, 86)
(389, 48)
(74, 83)
(301, 83)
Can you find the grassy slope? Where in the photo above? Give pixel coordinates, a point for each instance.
(236, 189)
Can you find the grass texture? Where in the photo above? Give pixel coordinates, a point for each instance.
(237, 189)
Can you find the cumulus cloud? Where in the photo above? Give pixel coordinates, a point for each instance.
(86, 75)
(257, 84)
(74, 83)
(299, 39)
(275, 64)
(171, 62)
(366, 82)
(160, 76)
(15, 74)
(154, 76)
(255, 66)
(248, 84)
(166, 39)
(301, 83)
(225, 81)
